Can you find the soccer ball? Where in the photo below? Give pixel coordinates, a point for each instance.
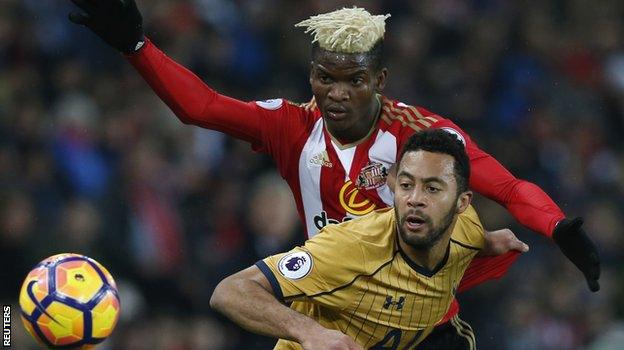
(69, 301)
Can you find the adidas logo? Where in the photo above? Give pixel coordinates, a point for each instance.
(321, 159)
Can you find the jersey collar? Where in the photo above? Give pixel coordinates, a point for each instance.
(421, 269)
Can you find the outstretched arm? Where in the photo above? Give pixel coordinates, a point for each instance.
(532, 207)
(119, 23)
(194, 102)
(247, 299)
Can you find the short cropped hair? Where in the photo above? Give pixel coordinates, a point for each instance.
(440, 141)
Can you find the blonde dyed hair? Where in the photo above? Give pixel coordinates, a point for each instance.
(348, 30)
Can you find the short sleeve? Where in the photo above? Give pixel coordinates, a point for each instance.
(328, 261)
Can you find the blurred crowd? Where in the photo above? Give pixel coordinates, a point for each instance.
(92, 162)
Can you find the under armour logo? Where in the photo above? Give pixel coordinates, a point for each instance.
(398, 304)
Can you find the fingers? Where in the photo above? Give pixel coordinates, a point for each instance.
(593, 285)
(579, 249)
(130, 4)
(84, 17)
(572, 226)
(520, 246)
(79, 18)
(593, 265)
(102, 7)
(514, 242)
(85, 5)
(576, 223)
(593, 272)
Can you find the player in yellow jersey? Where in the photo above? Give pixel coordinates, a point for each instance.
(378, 282)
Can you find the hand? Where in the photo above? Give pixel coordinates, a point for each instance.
(117, 22)
(502, 241)
(579, 248)
(329, 339)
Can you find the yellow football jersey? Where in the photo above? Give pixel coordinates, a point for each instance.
(355, 278)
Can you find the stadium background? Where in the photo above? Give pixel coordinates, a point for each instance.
(92, 162)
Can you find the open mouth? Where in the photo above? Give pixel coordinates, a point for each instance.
(415, 222)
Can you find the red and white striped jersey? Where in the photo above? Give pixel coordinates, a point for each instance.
(332, 182)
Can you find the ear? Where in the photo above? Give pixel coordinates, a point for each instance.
(381, 77)
(463, 201)
(391, 178)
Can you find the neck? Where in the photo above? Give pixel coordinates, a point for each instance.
(430, 257)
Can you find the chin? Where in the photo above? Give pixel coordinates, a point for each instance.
(420, 244)
(337, 125)
(422, 240)
(418, 241)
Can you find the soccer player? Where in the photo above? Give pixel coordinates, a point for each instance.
(381, 281)
(337, 151)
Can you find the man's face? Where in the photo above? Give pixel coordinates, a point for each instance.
(426, 201)
(344, 86)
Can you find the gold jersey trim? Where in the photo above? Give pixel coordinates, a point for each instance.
(407, 115)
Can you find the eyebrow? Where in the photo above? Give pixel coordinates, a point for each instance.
(427, 179)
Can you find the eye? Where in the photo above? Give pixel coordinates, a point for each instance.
(357, 81)
(405, 185)
(432, 189)
(324, 79)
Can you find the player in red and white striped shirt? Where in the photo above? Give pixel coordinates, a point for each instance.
(337, 151)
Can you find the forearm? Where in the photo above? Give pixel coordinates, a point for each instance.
(528, 203)
(252, 307)
(533, 208)
(192, 101)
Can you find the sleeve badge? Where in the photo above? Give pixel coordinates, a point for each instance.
(295, 265)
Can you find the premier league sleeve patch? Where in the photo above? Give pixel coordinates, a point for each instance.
(295, 266)
(456, 133)
(271, 104)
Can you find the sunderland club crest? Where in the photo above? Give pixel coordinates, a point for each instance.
(373, 175)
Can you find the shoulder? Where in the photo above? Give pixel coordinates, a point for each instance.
(282, 115)
(406, 116)
(373, 235)
(309, 106)
(375, 225)
(468, 230)
(282, 105)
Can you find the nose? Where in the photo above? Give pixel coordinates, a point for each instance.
(417, 199)
(338, 92)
